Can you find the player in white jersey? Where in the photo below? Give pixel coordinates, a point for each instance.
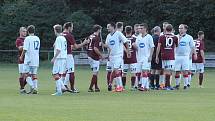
(31, 61)
(59, 60)
(184, 53)
(115, 42)
(145, 47)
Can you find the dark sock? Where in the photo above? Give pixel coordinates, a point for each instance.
(72, 80)
(96, 82)
(167, 82)
(108, 77)
(152, 78)
(92, 81)
(157, 76)
(21, 83)
(133, 78)
(123, 81)
(201, 78)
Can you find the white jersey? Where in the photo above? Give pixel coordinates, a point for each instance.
(32, 46)
(115, 42)
(144, 45)
(60, 44)
(185, 45)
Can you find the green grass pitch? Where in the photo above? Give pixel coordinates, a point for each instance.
(194, 104)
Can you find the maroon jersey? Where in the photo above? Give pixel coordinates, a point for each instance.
(133, 58)
(70, 41)
(94, 42)
(168, 43)
(199, 44)
(20, 42)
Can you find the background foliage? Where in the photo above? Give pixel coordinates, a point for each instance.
(198, 14)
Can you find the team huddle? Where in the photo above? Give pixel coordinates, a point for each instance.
(151, 59)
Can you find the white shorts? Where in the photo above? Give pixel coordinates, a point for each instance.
(21, 68)
(198, 67)
(116, 63)
(182, 63)
(30, 69)
(145, 65)
(94, 64)
(59, 66)
(168, 64)
(70, 65)
(108, 66)
(132, 67)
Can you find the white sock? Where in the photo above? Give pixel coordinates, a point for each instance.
(119, 80)
(147, 83)
(185, 81)
(66, 80)
(61, 82)
(161, 78)
(35, 83)
(189, 79)
(136, 82)
(58, 85)
(29, 81)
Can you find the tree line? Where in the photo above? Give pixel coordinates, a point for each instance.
(197, 14)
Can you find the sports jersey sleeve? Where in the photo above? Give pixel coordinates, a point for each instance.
(26, 44)
(58, 44)
(122, 38)
(151, 42)
(192, 44)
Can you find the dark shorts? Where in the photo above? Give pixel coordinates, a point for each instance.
(156, 66)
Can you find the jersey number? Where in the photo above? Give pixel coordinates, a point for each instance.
(36, 45)
(169, 42)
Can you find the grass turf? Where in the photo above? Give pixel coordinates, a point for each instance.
(194, 104)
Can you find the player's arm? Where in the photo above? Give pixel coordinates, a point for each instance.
(152, 49)
(203, 55)
(77, 46)
(157, 52)
(24, 49)
(193, 50)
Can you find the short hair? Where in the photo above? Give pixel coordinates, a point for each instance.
(112, 24)
(58, 28)
(67, 25)
(156, 29)
(96, 28)
(185, 26)
(119, 24)
(144, 25)
(169, 28)
(165, 22)
(136, 25)
(22, 28)
(128, 29)
(31, 29)
(200, 33)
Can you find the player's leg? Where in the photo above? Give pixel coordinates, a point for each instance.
(138, 76)
(125, 71)
(190, 73)
(156, 78)
(108, 76)
(201, 74)
(185, 69)
(144, 75)
(72, 76)
(22, 81)
(133, 75)
(178, 66)
(94, 65)
(27, 76)
(33, 71)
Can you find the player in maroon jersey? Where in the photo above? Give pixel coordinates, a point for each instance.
(94, 55)
(129, 62)
(71, 45)
(167, 44)
(19, 45)
(198, 64)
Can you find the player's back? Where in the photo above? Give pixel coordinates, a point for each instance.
(70, 41)
(32, 46)
(61, 44)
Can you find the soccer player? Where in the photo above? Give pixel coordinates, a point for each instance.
(115, 41)
(184, 52)
(155, 67)
(198, 64)
(31, 61)
(71, 45)
(166, 45)
(129, 62)
(19, 45)
(59, 60)
(145, 47)
(94, 55)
